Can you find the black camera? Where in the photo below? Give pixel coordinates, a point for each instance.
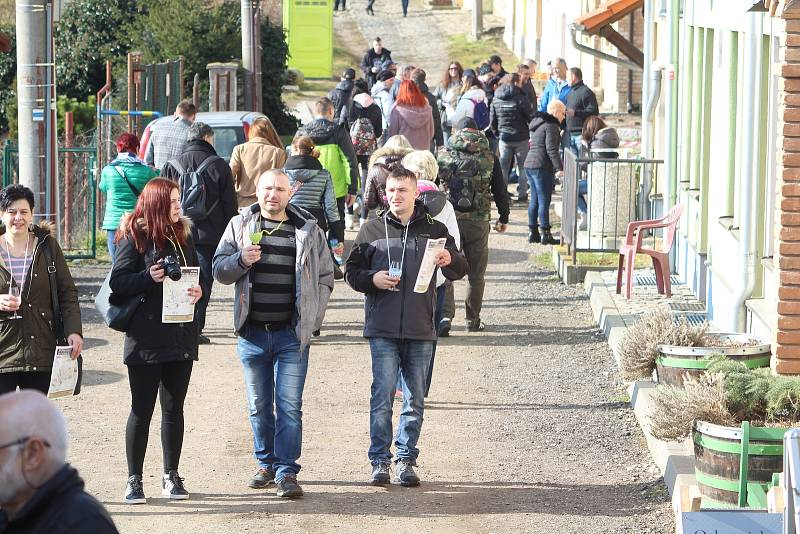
(171, 267)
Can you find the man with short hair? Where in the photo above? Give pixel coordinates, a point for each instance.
(337, 154)
(371, 63)
(468, 157)
(384, 264)
(220, 205)
(168, 138)
(557, 86)
(533, 65)
(39, 491)
(342, 96)
(382, 94)
(280, 262)
(526, 85)
(496, 64)
(418, 77)
(581, 104)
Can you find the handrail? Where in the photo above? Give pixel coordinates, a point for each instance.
(791, 478)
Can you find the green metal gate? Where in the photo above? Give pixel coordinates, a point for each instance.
(76, 202)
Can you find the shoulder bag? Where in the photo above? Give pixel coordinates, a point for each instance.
(58, 320)
(116, 311)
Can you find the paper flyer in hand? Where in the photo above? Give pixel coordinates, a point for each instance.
(64, 376)
(177, 306)
(428, 266)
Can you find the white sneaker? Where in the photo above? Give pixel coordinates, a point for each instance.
(348, 221)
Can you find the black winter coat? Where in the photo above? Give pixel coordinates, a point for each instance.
(148, 340)
(341, 96)
(402, 314)
(545, 139)
(371, 59)
(372, 112)
(60, 506)
(219, 188)
(510, 114)
(438, 134)
(581, 99)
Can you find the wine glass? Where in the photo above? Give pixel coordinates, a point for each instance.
(13, 291)
(395, 271)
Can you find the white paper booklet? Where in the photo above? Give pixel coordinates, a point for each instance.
(64, 376)
(428, 266)
(177, 306)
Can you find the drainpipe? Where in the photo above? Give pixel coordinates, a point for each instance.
(750, 149)
(573, 30)
(648, 133)
(671, 115)
(647, 87)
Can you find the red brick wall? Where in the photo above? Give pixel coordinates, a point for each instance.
(623, 27)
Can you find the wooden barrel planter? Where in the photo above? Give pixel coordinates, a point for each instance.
(722, 453)
(675, 363)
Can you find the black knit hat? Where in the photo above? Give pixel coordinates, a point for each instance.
(385, 75)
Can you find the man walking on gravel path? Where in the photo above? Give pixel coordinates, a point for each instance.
(384, 264)
(277, 256)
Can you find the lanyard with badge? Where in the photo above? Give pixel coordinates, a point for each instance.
(395, 267)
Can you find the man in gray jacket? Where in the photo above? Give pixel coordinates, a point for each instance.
(277, 256)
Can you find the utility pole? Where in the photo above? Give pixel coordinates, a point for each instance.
(251, 53)
(477, 19)
(36, 100)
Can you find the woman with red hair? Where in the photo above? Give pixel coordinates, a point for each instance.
(158, 355)
(412, 116)
(121, 181)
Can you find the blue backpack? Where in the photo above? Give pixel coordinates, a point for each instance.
(480, 114)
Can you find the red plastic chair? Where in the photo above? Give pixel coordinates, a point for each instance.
(633, 246)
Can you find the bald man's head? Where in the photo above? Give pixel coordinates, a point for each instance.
(28, 413)
(273, 194)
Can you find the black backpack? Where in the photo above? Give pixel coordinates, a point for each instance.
(193, 189)
(464, 184)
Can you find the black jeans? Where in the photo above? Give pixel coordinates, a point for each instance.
(336, 4)
(170, 381)
(205, 254)
(24, 380)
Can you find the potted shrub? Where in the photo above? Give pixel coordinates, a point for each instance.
(675, 350)
(729, 410)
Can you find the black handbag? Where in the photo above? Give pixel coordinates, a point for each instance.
(58, 319)
(116, 311)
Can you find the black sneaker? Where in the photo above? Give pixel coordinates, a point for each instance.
(337, 272)
(380, 475)
(534, 236)
(288, 488)
(404, 471)
(444, 327)
(522, 199)
(203, 340)
(134, 492)
(476, 326)
(263, 478)
(172, 486)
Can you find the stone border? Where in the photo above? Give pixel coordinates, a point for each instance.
(674, 460)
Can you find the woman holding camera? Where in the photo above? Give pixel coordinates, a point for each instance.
(159, 356)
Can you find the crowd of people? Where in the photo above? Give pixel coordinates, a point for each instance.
(409, 167)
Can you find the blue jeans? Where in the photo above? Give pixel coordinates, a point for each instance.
(575, 143)
(412, 357)
(405, 7)
(583, 189)
(274, 373)
(541, 183)
(112, 247)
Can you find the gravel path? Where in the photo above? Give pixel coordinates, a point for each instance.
(526, 428)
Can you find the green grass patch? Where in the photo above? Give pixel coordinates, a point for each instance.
(472, 53)
(544, 260)
(343, 58)
(609, 259)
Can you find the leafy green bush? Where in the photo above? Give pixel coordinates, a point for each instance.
(84, 114)
(8, 86)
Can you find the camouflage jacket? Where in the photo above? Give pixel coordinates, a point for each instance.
(469, 147)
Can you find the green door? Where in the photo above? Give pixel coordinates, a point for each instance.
(309, 26)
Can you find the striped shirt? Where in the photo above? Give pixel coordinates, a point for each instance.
(19, 267)
(273, 275)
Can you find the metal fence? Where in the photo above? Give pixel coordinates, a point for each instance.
(613, 192)
(76, 213)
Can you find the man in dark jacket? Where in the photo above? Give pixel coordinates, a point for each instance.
(221, 205)
(581, 103)
(342, 95)
(373, 59)
(468, 156)
(39, 492)
(384, 263)
(509, 116)
(418, 77)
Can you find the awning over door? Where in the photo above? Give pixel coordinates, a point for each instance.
(599, 21)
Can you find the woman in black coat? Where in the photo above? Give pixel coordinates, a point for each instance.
(158, 355)
(542, 165)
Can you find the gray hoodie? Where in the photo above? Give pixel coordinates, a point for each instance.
(313, 269)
